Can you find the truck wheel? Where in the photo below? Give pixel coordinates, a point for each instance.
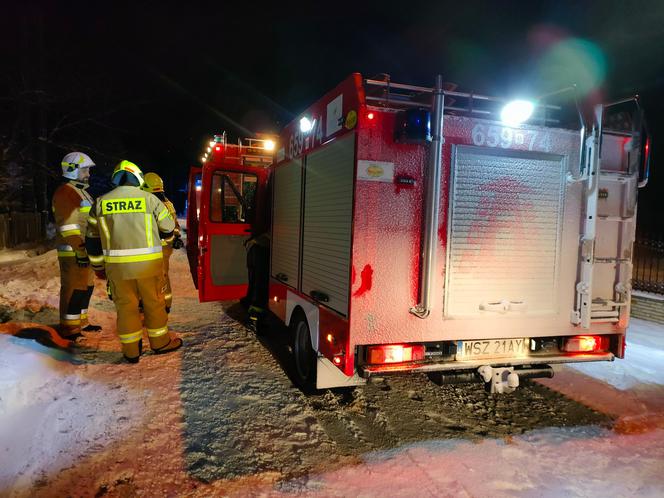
(304, 355)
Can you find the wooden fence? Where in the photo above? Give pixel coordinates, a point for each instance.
(18, 228)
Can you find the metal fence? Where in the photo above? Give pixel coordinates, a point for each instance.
(18, 228)
(648, 272)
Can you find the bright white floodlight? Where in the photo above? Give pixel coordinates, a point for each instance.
(516, 112)
(306, 125)
(268, 145)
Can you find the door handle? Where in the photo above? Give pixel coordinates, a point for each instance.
(498, 306)
(282, 277)
(319, 296)
(504, 306)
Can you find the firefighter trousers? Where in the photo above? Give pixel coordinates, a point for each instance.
(168, 293)
(258, 275)
(126, 296)
(76, 286)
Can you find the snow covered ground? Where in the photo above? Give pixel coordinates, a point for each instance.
(220, 418)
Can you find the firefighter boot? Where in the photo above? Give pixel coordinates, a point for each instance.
(132, 352)
(73, 294)
(257, 319)
(86, 326)
(174, 344)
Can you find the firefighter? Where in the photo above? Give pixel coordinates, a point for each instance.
(258, 261)
(125, 230)
(71, 204)
(155, 185)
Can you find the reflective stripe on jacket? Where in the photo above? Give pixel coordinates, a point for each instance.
(71, 204)
(125, 230)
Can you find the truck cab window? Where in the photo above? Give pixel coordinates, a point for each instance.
(233, 196)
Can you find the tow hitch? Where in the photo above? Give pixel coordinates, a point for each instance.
(501, 380)
(505, 380)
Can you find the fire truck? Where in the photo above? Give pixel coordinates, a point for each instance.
(427, 230)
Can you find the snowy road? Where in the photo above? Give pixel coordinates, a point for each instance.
(221, 417)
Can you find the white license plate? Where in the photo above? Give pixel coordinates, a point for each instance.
(492, 348)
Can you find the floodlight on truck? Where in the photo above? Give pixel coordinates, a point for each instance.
(306, 125)
(516, 112)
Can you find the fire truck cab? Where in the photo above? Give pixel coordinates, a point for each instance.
(413, 230)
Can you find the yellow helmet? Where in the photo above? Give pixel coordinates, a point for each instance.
(125, 168)
(153, 183)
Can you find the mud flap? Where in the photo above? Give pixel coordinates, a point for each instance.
(329, 376)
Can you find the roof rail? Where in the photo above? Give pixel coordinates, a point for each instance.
(397, 96)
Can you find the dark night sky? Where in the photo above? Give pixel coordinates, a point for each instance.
(174, 74)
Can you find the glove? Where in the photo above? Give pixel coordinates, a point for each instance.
(177, 242)
(82, 259)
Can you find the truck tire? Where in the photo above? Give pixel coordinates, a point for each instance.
(303, 354)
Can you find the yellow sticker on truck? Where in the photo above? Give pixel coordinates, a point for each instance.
(116, 206)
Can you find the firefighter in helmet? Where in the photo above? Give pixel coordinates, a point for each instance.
(125, 230)
(71, 204)
(155, 185)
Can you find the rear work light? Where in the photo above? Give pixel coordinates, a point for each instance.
(394, 353)
(586, 344)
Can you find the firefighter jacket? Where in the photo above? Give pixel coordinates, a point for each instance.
(171, 209)
(71, 204)
(125, 230)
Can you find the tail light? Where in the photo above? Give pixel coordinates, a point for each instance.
(394, 353)
(586, 344)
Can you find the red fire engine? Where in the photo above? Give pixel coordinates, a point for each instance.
(413, 230)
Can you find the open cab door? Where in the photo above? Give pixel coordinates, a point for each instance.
(230, 202)
(193, 213)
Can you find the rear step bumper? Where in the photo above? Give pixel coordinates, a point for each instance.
(366, 371)
(466, 376)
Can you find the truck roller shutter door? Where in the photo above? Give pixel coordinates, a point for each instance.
(286, 223)
(328, 211)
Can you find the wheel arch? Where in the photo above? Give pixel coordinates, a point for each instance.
(296, 303)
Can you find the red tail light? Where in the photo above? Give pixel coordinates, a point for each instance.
(394, 353)
(586, 344)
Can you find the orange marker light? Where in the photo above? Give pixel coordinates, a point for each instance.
(586, 344)
(330, 338)
(394, 353)
(337, 360)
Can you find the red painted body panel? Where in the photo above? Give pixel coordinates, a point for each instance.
(293, 142)
(337, 326)
(388, 225)
(277, 299)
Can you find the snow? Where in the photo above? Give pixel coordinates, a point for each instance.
(48, 407)
(645, 359)
(221, 418)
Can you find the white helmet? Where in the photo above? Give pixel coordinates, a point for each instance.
(72, 162)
